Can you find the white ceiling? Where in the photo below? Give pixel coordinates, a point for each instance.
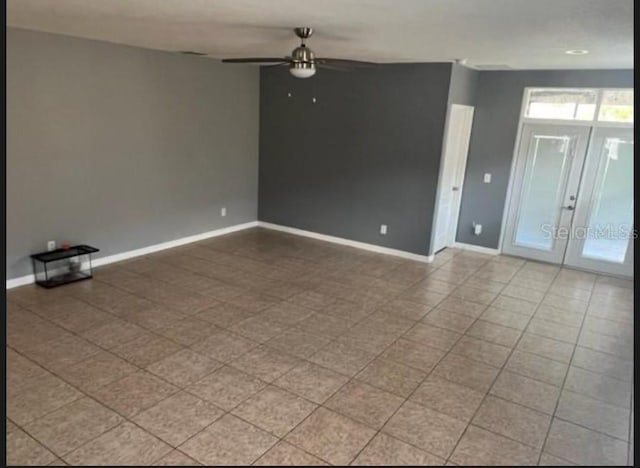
(521, 34)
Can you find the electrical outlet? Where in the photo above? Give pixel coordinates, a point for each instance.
(51, 245)
(223, 211)
(383, 229)
(487, 178)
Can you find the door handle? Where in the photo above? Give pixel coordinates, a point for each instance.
(455, 189)
(568, 207)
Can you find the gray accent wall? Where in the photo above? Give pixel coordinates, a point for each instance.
(366, 153)
(122, 147)
(495, 124)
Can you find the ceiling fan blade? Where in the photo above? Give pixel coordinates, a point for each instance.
(345, 62)
(254, 60)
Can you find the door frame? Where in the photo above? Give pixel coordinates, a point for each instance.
(453, 229)
(523, 120)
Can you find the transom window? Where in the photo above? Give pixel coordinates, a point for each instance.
(580, 104)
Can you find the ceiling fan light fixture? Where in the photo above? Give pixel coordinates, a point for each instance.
(302, 69)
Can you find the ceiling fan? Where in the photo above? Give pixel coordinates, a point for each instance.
(303, 63)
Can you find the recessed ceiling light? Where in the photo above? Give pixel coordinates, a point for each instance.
(576, 52)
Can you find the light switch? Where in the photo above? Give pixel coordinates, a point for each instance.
(487, 178)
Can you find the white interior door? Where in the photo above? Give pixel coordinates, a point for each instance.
(601, 239)
(545, 186)
(454, 163)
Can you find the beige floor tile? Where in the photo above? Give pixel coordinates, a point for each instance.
(22, 450)
(297, 343)
(287, 314)
(428, 298)
(313, 382)
(432, 336)
(466, 372)
(364, 403)
(584, 447)
(258, 328)
(224, 346)
(537, 367)
(545, 347)
(450, 320)
(126, 444)
(473, 294)
(526, 392)
(345, 359)
(265, 363)
(505, 318)
(603, 363)
(561, 316)
(460, 306)
(594, 414)
(113, 333)
(573, 305)
(406, 309)
(69, 427)
(224, 315)
(427, 429)
(134, 393)
(285, 454)
(274, 410)
(524, 293)
(483, 448)
(550, 460)
(324, 325)
(622, 348)
(482, 351)
(494, 333)
(178, 417)
(227, 387)
(146, 350)
(228, 441)
(553, 330)
(518, 306)
(448, 398)
(187, 331)
(331, 437)
(312, 300)
(74, 315)
(384, 450)
(412, 354)
(176, 458)
(598, 386)
(184, 367)
(514, 421)
(44, 395)
(20, 371)
(392, 376)
(97, 371)
(348, 310)
(58, 354)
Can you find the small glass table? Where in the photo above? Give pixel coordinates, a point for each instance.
(63, 266)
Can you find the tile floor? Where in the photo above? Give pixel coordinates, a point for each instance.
(269, 349)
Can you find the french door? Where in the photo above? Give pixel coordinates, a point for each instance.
(572, 197)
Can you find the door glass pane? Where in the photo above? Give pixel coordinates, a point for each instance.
(543, 186)
(564, 104)
(611, 211)
(617, 105)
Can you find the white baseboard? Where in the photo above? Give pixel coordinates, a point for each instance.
(476, 248)
(347, 242)
(28, 279)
